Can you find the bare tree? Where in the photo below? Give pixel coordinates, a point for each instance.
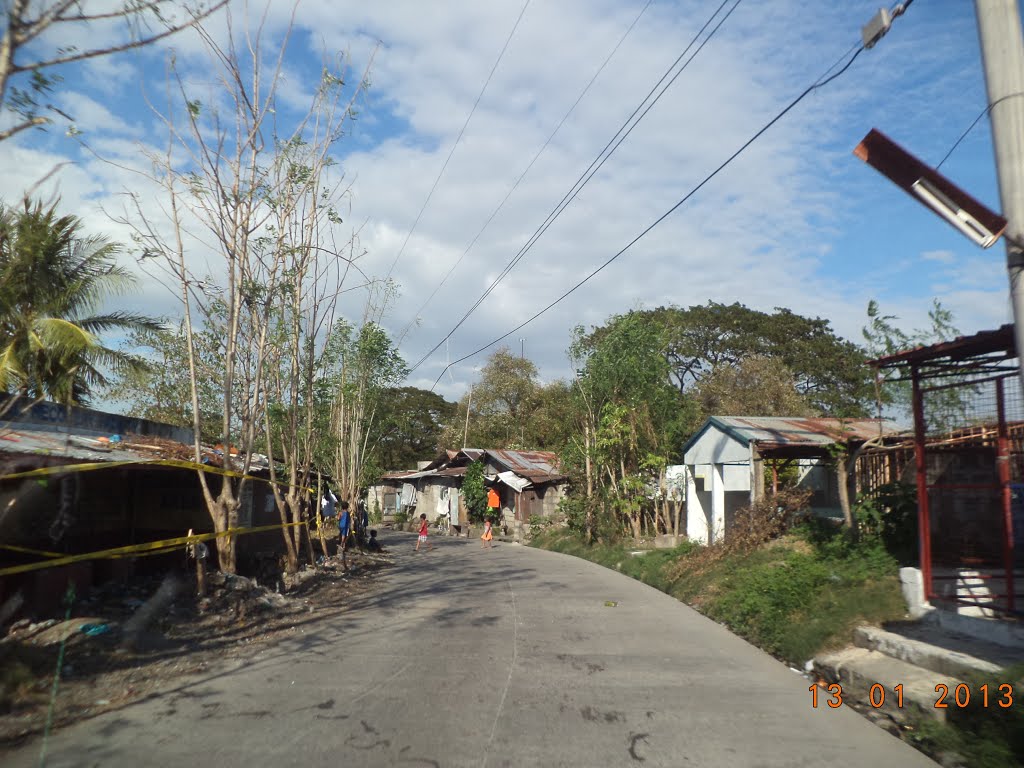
(305, 220)
(225, 178)
(24, 50)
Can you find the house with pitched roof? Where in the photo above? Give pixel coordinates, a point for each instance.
(527, 483)
(728, 461)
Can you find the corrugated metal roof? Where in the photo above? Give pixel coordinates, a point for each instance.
(535, 465)
(59, 444)
(37, 442)
(962, 347)
(795, 431)
(409, 474)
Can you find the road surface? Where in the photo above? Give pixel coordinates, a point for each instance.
(502, 657)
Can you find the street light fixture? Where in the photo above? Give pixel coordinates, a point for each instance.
(973, 219)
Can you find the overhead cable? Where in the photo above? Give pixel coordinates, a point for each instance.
(457, 140)
(817, 84)
(519, 180)
(602, 157)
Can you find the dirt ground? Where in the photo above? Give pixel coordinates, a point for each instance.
(110, 661)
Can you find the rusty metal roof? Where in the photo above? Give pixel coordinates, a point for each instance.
(61, 445)
(537, 466)
(960, 348)
(795, 432)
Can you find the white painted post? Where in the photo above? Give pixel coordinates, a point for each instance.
(717, 503)
(696, 520)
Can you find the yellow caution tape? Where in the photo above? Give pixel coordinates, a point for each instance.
(151, 547)
(27, 551)
(66, 469)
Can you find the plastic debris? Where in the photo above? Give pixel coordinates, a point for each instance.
(92, 630)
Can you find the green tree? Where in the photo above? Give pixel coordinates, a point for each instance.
(828, 371)
(161, 390)
(54, 283)
(504, 399)
(409, 426)
(630, 421)
(501, 405)
(474, 492)
(550, 426)
(361, 367)
(755, 386)
(883, 337)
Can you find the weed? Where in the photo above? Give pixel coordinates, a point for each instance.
(20, 668)
(985, 736)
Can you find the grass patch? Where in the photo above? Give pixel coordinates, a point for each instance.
(985, 737)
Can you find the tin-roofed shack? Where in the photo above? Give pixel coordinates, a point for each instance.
(115, 493)
(725, 464)
(527, 483)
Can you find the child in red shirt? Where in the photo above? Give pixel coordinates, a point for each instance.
(422, 538)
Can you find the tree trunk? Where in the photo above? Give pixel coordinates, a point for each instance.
(842, 478)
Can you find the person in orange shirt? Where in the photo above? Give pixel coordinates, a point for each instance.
(485, 540)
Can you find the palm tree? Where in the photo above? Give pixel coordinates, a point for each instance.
(53, 283)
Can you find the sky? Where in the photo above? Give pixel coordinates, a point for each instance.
(795, 221)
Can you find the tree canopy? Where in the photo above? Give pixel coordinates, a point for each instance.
(410, 426)
(827, 371)
(54, 284)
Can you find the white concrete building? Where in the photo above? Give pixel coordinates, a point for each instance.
(726, 461)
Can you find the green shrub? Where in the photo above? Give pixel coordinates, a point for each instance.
(986, 737)
(889, 515)
(475, 492)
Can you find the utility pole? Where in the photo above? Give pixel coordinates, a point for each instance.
(469, 404)
(1002, 53)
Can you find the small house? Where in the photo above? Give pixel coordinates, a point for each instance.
(726, 462)
(528, 484)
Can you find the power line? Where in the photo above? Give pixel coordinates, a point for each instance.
(601, 158)
(818, 84)
(522, 176)
(970, 128)
(458, 139)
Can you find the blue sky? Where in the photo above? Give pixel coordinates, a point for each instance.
(796, 221)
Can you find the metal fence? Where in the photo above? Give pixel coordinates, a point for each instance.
(969, 454)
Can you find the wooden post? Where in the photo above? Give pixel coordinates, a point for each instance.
(200, 568)
(319, 513)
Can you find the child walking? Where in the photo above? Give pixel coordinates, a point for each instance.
(422, 538)
(485, 539)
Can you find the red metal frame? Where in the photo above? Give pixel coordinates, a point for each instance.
(924, 528)
(1004, 487)
(1003, 467)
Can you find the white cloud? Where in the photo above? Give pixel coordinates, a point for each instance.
(784, 225)
(943, 257)
(90, 116)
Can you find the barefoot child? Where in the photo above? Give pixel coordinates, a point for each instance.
(485, 540)
(422, 538)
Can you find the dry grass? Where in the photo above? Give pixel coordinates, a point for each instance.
(753, 527)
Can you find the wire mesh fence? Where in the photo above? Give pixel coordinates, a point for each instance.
(973, 440)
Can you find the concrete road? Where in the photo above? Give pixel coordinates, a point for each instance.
(502, 657)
